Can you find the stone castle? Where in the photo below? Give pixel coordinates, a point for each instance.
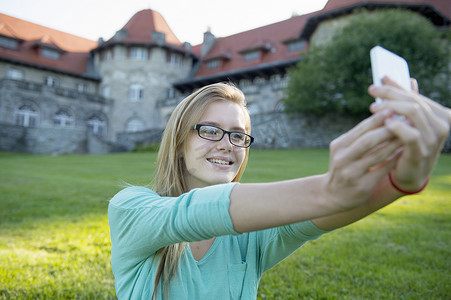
(60, 93)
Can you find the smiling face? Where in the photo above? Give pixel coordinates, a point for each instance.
(215, 162)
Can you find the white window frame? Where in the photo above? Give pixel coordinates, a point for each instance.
(134, 125)
(252, 55)
(106, 91)
(51, 81)
(26, 116)
(82, 88)
(9, 43)
(175, 59)
(97, 125)
(15, 74)
(297, 46)
(137, 53)
(50, 53)
(63, 118)
(213, 64)
(108, 55)
(136, 92)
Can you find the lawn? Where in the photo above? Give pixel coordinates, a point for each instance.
(54, 237)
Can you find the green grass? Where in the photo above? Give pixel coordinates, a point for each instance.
(54, 237)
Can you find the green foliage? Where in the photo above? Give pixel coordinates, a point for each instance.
(334, 77)
(55, 243)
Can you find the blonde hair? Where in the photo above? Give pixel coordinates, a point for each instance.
(168, 179)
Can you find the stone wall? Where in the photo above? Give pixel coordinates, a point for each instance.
(129, 140)
(51, 140)
(278, 130)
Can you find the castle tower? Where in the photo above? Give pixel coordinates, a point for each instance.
(138, 66)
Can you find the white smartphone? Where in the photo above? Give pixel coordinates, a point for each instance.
(386, 63)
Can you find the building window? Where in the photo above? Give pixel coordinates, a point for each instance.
(50, 53)
(51, 81)
(134, 125)
(82, 88)
(9, 43)
(106, 91)
(213, 64)
(253, 55)
(136, 92)
(97, 125)
(108, 55)
(14, 74)
(63, 118)
(171, 93)
(175, 59)
(297, 46)
(138, 54)
(278, 82)
(26, 116)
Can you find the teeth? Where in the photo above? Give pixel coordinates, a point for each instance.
(219, 161)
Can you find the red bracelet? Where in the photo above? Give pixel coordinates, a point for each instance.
(407, 192)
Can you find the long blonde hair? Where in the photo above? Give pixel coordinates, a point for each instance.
(168, 179)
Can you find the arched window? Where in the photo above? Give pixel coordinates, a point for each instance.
(27, 116)
(97, 125)
(134, 125)
(64, 118)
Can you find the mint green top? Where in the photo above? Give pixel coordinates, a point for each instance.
(142, 222)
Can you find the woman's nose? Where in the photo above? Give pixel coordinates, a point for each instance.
(224, 143)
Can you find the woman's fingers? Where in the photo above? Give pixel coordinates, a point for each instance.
(367, 142)
(393, 93)
(375, 121)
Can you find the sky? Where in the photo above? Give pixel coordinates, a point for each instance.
(188, 19)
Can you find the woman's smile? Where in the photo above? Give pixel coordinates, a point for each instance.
(209, 162)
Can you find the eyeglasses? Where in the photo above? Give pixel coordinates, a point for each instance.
(214, 133)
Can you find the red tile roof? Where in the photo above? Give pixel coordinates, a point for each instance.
(30, 31)
(74, 50)
(270, 40)
(443, 6)
(141, 26)
(231, 48)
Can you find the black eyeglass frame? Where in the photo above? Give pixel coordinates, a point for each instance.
(198, 126)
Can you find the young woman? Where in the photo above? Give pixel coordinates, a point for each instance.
(199, 234)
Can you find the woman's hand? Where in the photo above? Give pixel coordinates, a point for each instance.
(423, 131)
(359, 159)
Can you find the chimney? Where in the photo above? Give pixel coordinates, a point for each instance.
(208, 43)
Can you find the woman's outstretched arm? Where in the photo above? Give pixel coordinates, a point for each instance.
(357, 183)
(357, 164)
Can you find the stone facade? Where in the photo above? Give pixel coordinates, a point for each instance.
(131, 87)
(138, 84)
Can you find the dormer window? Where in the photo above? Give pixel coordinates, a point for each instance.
(213, 64)
(297, 46)
(50, 53)
(252, 55)
(9, 43)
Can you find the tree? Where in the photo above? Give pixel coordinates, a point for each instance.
(334, 77)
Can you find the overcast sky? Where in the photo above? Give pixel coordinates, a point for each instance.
(188, 19)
